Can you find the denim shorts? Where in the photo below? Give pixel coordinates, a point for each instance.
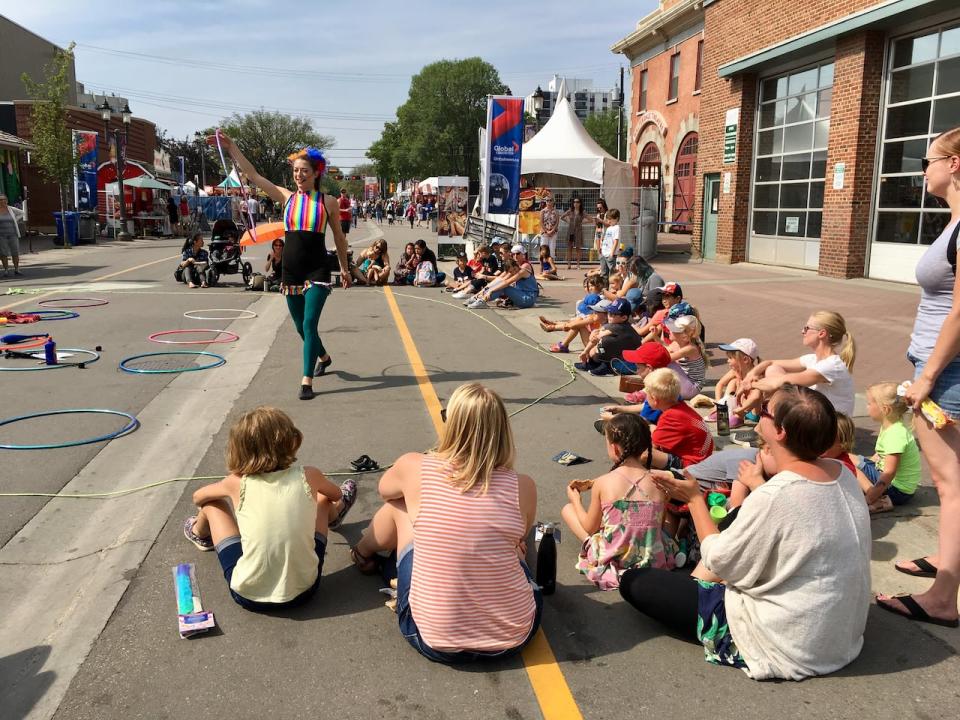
(409, 630)
(229, 552)
(869, 468)
(946, 391)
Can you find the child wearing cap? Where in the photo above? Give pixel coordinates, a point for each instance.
(674, 306)
(742, 357)
(491, 269)
(686, 349)
(611, 340)
(462, 275)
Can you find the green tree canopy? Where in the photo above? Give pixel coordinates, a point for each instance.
(436, 128)
(603, 128)
(267, 138)
(49, 132)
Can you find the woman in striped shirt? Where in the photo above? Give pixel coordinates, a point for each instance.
(457, 517)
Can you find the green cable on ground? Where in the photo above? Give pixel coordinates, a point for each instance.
(149, 486)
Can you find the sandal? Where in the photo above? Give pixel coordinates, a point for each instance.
(366, 565)
(202, 543)
(926, 569)
(559, 348)
(349, 490)
(913, 611)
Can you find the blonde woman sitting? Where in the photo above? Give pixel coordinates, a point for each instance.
(457, 518)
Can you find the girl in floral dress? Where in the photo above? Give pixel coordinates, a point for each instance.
(623, 527)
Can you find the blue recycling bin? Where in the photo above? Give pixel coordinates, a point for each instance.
(73, 227)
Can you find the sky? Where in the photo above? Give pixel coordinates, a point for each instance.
(186, 64)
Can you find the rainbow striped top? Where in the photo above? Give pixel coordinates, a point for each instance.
(305, 212)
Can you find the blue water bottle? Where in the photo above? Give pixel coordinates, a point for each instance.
(50, 352)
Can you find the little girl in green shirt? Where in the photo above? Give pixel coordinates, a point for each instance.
(893, 473)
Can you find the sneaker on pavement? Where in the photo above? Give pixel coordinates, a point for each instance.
(202, 543)
(477, 304)
(601, 370)
(349, 490)
(461, 294)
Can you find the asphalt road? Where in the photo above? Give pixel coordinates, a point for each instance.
(85, 585)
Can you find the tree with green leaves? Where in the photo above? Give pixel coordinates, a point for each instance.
(267, 138)
(54, 153)
(602, 127)
(436, 128)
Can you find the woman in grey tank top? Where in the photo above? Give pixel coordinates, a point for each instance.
(935, 354)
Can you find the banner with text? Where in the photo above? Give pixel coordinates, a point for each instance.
(504, 138)
(85, 174)
(452, 206)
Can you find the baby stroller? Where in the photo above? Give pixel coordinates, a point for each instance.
(225, 253)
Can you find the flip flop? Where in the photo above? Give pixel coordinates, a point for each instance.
(349, 490)
(927, 569)
(914, 611)
(366, 565)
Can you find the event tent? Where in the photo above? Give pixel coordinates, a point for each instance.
(429, 186)
(231, 181)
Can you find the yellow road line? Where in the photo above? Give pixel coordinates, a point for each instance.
(430, 398)
(549, 685)
(34, 298)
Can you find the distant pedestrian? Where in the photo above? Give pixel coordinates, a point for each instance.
(345, 216)
(9, 238)
(172, 212)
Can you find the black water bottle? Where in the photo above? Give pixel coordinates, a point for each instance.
(547, 561)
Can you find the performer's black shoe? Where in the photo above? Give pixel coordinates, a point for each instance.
(306, 392)
(320, 368)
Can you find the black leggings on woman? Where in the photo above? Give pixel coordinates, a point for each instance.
(669, 597)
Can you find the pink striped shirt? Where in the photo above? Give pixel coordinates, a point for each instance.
(467, 590)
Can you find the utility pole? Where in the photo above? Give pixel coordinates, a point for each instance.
(620, 119)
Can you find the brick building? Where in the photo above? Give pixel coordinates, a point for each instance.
(813, 120)
(665, 53)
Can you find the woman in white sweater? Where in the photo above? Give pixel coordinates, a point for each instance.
(783, 591)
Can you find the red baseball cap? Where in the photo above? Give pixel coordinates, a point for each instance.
(652, 353)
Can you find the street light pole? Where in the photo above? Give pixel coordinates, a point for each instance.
(203, 166)
(105, 112)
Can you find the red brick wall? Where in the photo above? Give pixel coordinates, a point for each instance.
(733, 29)
(854, 118)
(43, 198)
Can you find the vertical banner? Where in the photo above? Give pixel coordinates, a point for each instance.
(452, 206)
(85, 174)
(371, 188)
(504, 144)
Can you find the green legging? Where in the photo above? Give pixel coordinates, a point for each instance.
(305, 310)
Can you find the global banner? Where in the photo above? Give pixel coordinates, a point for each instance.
(503, 153)
(85, 175)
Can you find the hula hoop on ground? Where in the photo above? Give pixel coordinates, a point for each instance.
(88, 302)
(130, 427)
(217, 362)
(242, 314)
(59, 314)
(38, 342)
(231, 337)
(94, 356)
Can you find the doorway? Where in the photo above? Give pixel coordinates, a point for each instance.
(711, 213)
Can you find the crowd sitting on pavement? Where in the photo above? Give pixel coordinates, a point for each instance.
(777, 529)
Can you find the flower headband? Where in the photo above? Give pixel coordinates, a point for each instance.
(313, 155)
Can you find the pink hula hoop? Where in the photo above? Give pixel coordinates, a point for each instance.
(230, 337)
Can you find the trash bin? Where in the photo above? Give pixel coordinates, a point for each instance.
(87, 227)
(72, 227)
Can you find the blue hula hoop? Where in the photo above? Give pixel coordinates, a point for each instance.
(220, 360)
(130, 427)
(94, 356)
(61, 314)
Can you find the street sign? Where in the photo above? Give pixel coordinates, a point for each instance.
(730, 135)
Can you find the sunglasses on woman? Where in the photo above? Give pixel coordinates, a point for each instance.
(925, 162)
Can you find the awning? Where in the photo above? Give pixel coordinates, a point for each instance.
(889, 14)
(12, 141)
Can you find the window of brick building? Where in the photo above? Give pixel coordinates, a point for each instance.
(922, 100)
(674, 77)
(698, 78)
(791, 153)
(643, 91)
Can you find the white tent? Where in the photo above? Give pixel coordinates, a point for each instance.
(429, 186)
(564, 147)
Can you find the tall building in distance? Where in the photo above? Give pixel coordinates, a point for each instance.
(586, 100)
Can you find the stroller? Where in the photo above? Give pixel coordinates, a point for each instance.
(225, 253)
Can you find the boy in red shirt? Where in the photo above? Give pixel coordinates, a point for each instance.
(681, 437)
(346, 213)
